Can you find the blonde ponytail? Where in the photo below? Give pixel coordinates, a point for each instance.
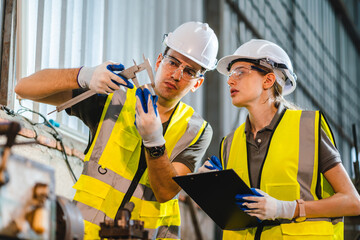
(278, 98)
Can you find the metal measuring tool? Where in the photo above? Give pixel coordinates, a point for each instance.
(129, 73)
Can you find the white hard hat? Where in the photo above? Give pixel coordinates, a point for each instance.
(196, 41)
(267, 54)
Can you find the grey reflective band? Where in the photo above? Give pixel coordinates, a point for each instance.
(112, 113)
(118, 182)
(226, 148)
(171, 232)
(307, 145)
(91, 214)
(193, 127)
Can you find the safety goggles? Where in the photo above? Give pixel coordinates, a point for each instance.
(269, 64)
(187, 73)
(238, 72)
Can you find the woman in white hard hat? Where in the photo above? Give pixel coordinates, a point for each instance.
(287, 156)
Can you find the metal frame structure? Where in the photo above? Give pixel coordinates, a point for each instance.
(8, 29)
(324, 61)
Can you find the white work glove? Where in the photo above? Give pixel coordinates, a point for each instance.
(265, 207)
(147, 119)
(211, 164)
(205, 167)
(102, 79)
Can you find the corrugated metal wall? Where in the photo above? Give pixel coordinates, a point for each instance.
(72, 33)
(324, 58)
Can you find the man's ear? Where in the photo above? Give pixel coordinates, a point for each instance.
(158, 61)
(198, 83)
(269, 80)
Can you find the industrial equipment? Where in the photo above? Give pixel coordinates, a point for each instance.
(29, 208)
(123, 227)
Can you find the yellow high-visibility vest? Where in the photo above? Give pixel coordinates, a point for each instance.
(289, 172)
(112, 161)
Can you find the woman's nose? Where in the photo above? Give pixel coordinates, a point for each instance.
(230, 81)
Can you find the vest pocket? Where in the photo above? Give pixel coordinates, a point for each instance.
(90, 191)
(157, 214)
(283, 191)
(307, 230)
(121, 153)
(152, 208)
(127, 140)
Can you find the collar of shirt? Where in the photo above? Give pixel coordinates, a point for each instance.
(269, 127)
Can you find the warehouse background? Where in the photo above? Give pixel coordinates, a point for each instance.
(321, 37)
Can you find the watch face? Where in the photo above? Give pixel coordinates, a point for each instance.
(156, 151)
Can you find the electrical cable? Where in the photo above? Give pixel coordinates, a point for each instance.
(57, 137)
(56, 134)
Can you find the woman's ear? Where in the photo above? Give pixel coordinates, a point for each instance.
(269, 80)
(198, 83)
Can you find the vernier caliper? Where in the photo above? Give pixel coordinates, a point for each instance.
(129, 73)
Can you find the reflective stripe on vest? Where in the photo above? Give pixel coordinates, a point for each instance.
(290, 169)
(94, 216)
(225, 149)
(113, 159)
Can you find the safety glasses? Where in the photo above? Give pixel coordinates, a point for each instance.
(187, 73)
(238, 72)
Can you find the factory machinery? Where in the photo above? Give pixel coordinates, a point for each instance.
(30, 209)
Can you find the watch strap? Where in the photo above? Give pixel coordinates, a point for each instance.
(302, 213)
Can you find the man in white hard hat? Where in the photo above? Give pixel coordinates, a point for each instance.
(166, 137)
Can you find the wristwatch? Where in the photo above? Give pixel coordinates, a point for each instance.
(156, 152)
(302, 214)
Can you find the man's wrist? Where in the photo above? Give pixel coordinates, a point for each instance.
(77, 76)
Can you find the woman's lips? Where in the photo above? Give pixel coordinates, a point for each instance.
(233, 92)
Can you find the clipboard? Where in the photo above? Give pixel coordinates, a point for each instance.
(215, 193)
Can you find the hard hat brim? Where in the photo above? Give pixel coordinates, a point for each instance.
(207, 67)
(290, 85)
